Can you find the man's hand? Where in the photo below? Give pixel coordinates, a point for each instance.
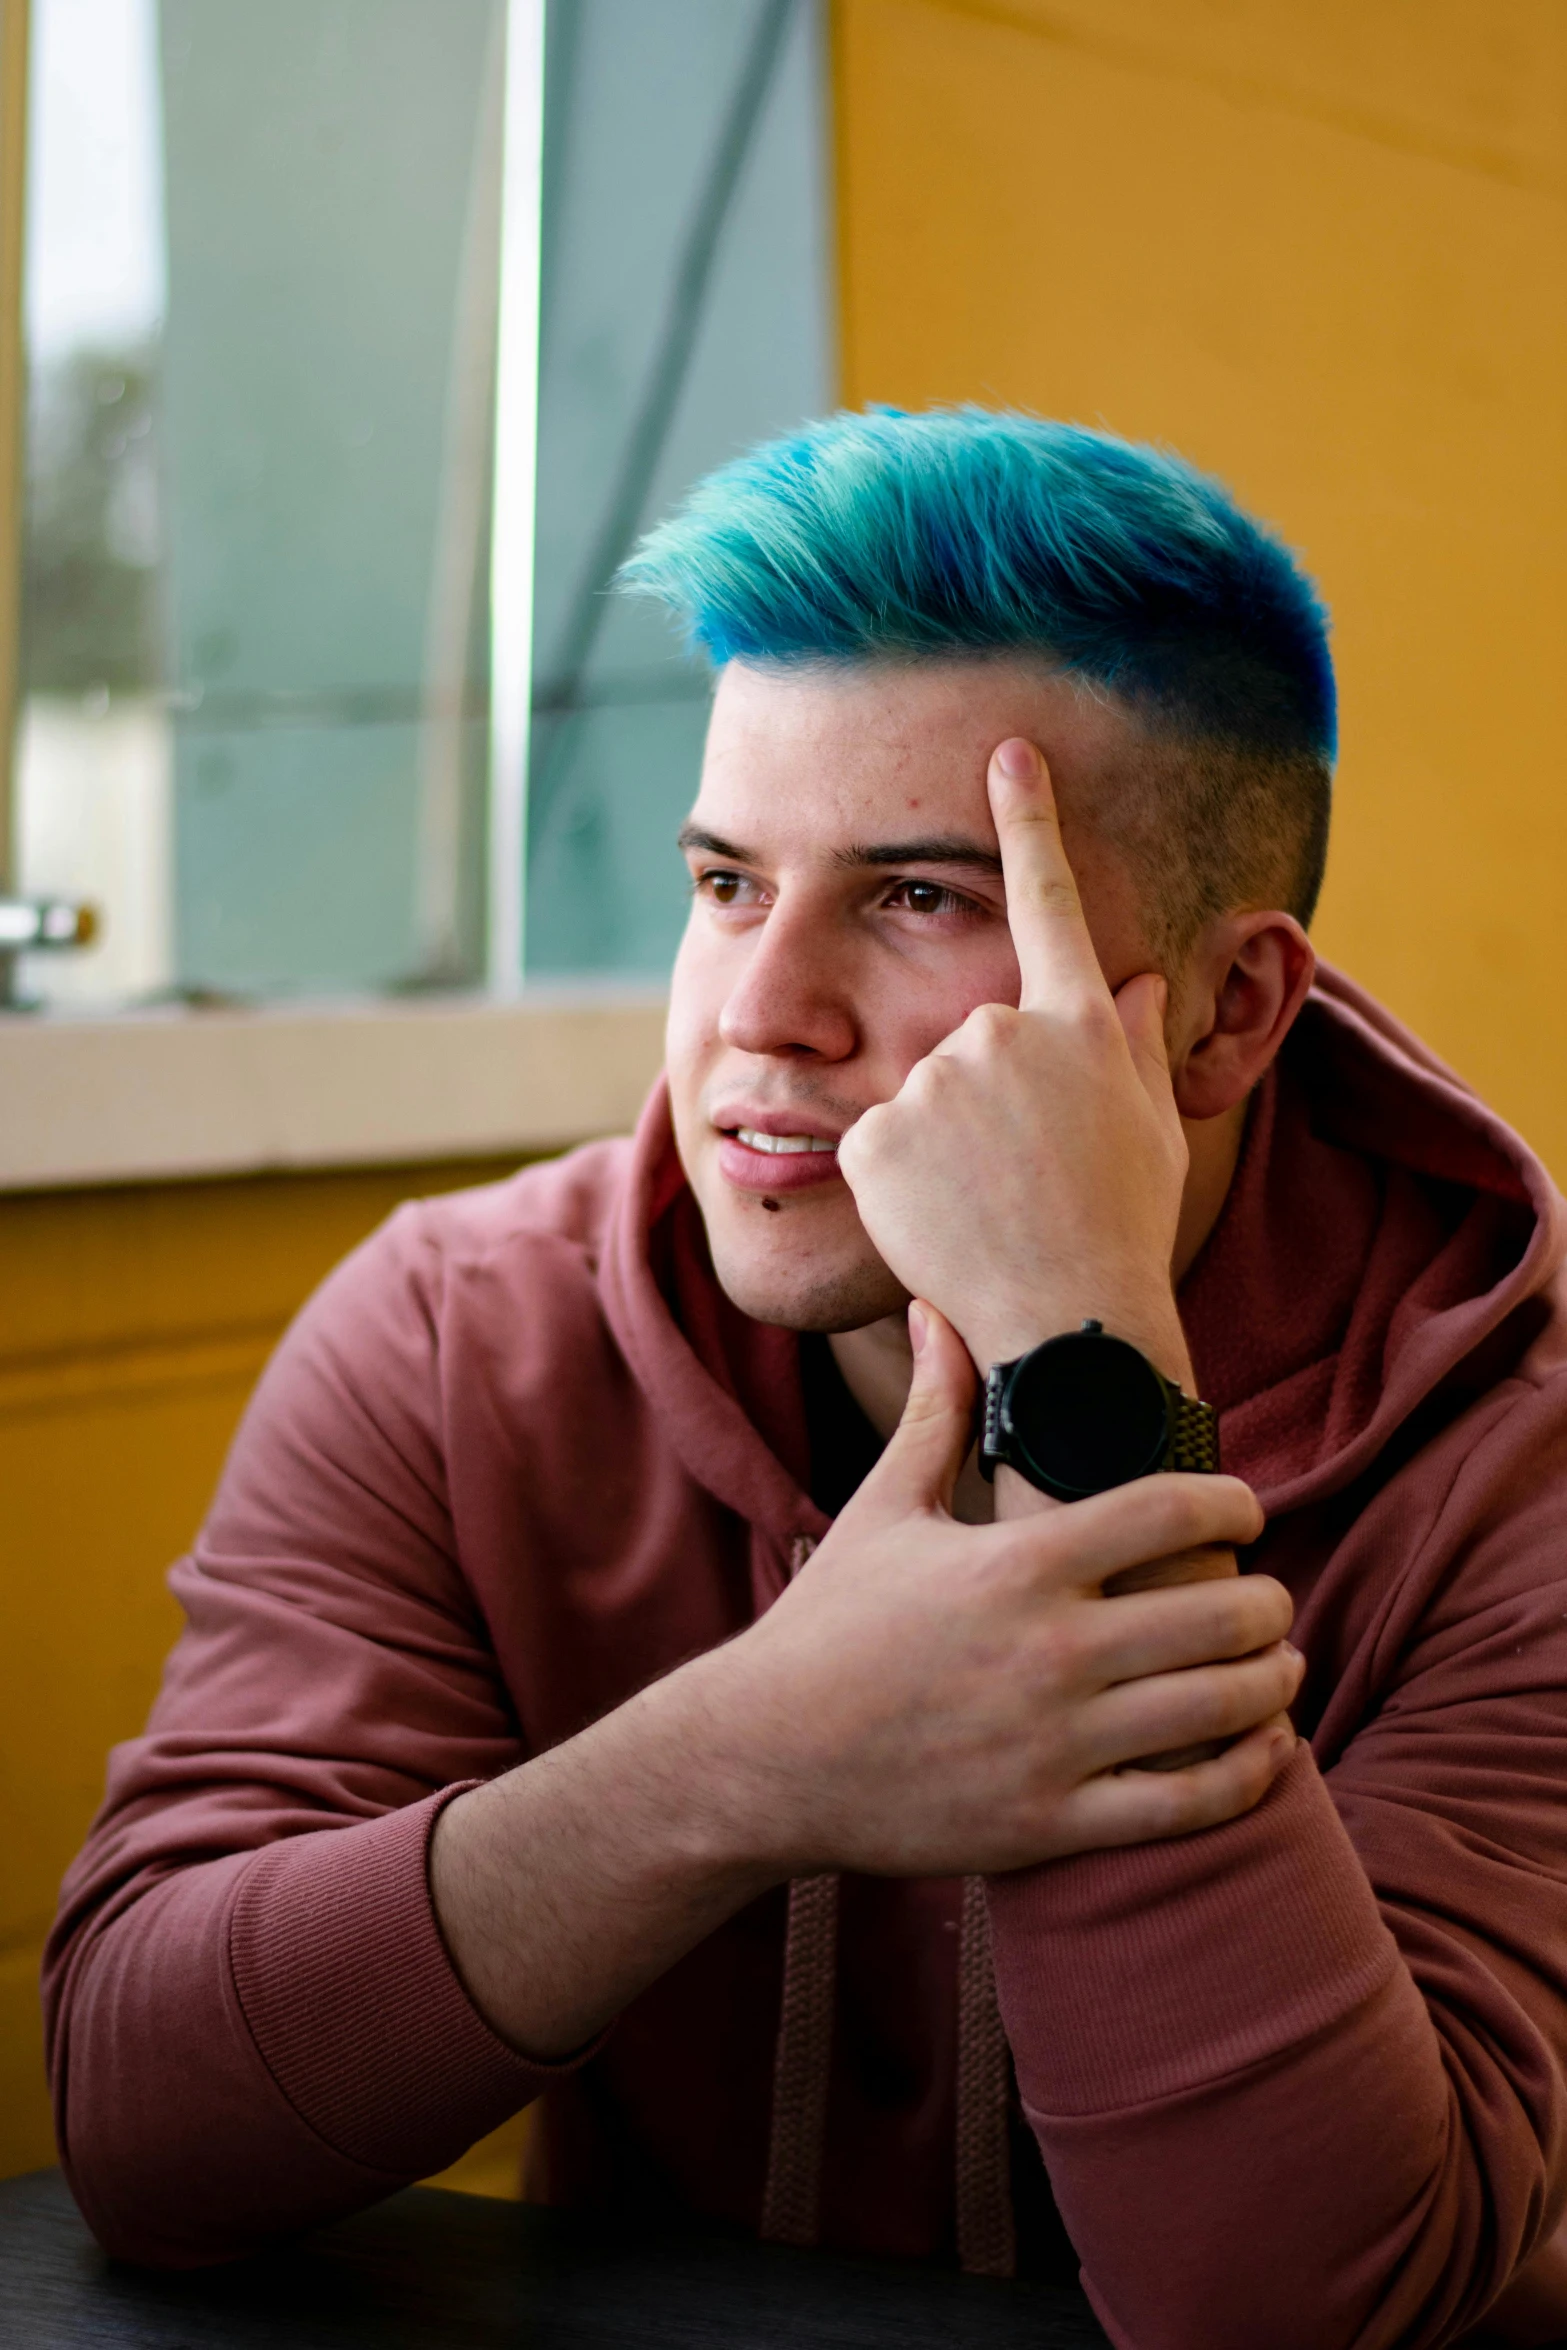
(933, 1699)
(1029, 1172)
(926, 1698)
(929, 1698)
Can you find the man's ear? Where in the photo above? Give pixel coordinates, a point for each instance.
(1244, 985)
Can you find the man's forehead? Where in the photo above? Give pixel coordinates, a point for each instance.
(914, 709)
(890, 750)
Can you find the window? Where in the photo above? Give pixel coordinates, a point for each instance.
(284, 718)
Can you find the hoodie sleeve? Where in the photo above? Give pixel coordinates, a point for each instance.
(254, 2025)
(1300, 2079)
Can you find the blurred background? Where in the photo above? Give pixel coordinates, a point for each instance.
(347, 346)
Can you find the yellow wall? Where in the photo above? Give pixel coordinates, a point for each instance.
(133, 1324)
(1321, 246)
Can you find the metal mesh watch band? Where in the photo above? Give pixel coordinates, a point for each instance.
(992, 1451)
(1196, 1439)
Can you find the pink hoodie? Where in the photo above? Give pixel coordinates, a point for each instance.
(1297, 2081)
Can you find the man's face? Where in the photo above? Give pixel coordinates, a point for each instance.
(848, 913)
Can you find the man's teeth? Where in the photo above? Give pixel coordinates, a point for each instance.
(781, 1144)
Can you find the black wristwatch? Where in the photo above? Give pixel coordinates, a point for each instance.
(1084, 1412)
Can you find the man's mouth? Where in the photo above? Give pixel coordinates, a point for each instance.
(755, 1159)
(781, 1144)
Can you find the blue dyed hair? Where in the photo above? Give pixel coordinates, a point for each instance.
(966, 531)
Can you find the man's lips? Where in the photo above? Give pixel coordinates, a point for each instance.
(758, 1158)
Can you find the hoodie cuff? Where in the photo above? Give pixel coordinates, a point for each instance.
(355, 2006)
(1133, 1975)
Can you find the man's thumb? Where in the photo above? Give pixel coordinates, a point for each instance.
(931, 1441)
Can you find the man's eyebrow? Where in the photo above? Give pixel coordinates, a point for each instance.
(944, 848)
(692, 836)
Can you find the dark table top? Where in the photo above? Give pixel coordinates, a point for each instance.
(436, 2271)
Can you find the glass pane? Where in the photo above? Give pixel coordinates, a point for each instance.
(261, 319)
(93, 748)
(684, 313)
(332, 174)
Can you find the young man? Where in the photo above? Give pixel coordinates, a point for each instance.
(573, 1702)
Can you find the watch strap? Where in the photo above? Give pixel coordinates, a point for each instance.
(1194, 1441)
(992, 1449)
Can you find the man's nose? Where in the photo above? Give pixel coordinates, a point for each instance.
(794, 995)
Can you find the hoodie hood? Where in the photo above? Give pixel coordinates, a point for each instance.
(1386, 1252)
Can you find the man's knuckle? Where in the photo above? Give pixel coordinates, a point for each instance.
(1238, 1500)
(1248, 1692)
(1055, 894)
(1187, 1517)
(1051, 1766)
(1093, 1018)
(1240, 1629)
(1239, 1781)
(1272, 1601)
(1211, 1792)
(992, 1025)
(1244, 1608)
(1282, 1677)
(1199, 1706)
(1269, 1626)
(866, 1136)
(1171, 1804)
(1059, 1656)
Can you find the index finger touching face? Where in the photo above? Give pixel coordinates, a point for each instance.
(1054, 951)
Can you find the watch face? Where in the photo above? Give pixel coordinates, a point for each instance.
(1089, 1411)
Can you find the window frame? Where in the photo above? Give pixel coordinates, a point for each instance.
(155, 1096)
(164, 1094)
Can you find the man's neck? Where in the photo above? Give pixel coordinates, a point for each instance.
(876, 1363)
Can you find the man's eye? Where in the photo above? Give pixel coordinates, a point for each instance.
(725, 889)
(927, 897)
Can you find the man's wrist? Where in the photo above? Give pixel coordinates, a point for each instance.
(1152, 1325)
(567, 1885)
(707, 1723)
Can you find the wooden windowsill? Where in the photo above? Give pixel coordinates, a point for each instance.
(149, 1096)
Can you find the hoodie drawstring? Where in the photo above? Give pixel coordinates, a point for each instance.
(987, 2236)
(792, 2200)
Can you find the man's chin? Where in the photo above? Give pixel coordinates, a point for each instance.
(810, 1297)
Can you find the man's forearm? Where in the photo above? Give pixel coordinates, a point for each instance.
(1222, 2037)
(925, 1699)
(566, 1887)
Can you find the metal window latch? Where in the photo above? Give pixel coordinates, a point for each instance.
(31, 925)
